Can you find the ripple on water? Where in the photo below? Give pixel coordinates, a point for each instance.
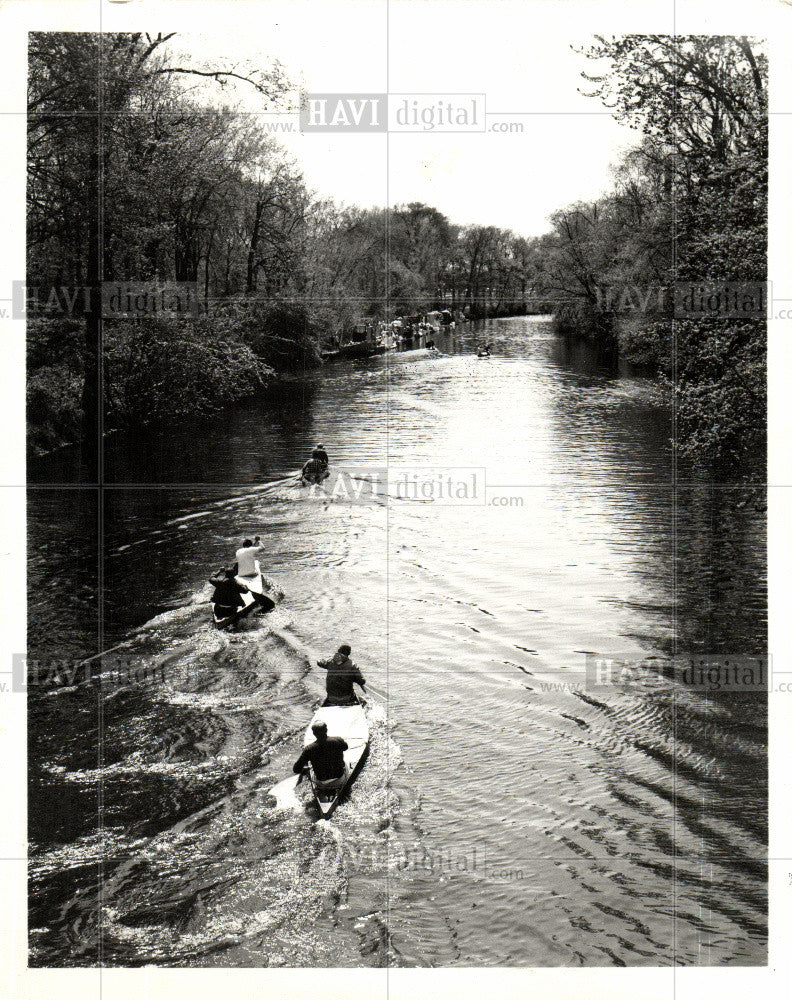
(536, 819)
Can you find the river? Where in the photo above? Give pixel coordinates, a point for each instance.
(510, 813)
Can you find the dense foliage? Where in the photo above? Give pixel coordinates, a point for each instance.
(157, 372)
(154, 372)
(689, 206)
(54, 382)
(193, 191)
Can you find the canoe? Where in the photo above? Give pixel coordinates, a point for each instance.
(314, 479)
(413, 353)
(350, 723)
(358, 350)
(241, 611)
(253, 584)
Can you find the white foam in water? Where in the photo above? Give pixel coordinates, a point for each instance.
(377, 712)
(254, 629)
(189, 517)
(285, 794)
(175, 616)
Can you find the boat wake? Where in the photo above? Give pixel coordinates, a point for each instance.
(206, 853)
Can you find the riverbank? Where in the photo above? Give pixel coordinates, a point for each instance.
(161, 372)
(714, 370)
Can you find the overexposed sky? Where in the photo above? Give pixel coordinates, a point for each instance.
(527, 70)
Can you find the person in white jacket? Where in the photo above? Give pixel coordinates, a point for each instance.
(248, 571)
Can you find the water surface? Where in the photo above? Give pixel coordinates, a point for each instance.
(509, 814)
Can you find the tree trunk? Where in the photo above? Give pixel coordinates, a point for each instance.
(91, 394)
(250, 283)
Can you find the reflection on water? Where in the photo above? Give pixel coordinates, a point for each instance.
(508, 814)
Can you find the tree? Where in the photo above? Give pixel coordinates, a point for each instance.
(84, 93)
(690, 205)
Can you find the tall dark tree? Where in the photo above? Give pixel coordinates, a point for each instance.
(84, 91)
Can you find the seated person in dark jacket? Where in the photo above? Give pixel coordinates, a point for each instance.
(321, 454)
(325, 755)
(314, 470)
(227, 596)
(341, 675)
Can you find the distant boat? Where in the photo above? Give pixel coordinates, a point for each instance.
(419, 352)
(363, 341)
(361, 349)
(314, 478)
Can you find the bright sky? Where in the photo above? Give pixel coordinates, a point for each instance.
(525, 67)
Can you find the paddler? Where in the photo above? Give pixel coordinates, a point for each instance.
(325, 755)
(321, 454)
(227, 596)
(248, 574)
(314, 470)
(341, 675)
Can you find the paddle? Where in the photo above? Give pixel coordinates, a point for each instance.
(286, 787)
(311, 656)
(370, 689)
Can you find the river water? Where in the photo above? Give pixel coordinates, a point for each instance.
(511, 812)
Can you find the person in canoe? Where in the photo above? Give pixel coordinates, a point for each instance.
(248, 574)
(227, 596)
(325, 755)
(314, 470)
(321, 454)
(484, 352)
(342, 674)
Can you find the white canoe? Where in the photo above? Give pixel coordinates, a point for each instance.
(251, 583)
(350, 723)
(254, 583)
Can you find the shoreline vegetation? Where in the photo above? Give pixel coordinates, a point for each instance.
(153, 181)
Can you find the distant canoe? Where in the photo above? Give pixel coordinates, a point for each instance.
(419, 352)
(361, 350)
(315, 478)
